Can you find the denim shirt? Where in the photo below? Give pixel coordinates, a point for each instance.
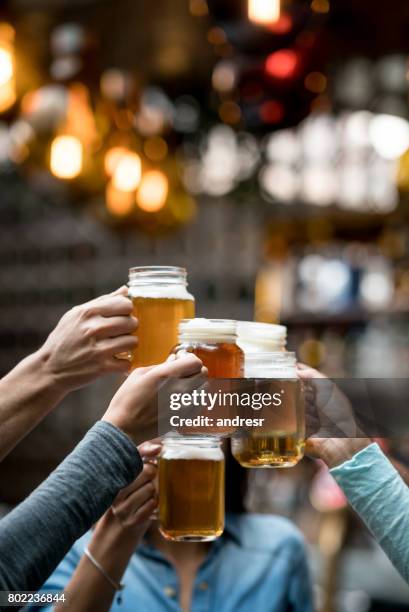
(259, 563)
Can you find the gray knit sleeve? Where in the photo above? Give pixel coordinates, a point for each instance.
(36, 535)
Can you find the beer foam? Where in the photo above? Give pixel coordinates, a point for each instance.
(192, 452)
(170, 292)
(207, 329)
(253, 336)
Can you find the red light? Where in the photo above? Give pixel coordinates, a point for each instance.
(272, 111)
(283, 25)
(282, 64)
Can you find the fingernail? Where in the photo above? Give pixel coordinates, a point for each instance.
(149, 446)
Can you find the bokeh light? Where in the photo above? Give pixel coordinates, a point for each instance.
(66, 157)
(127, 173)
(389, 135)
(263, 12)
(155, 148)
(6, 65)
(112, 158)
(118, 202)
(153, 191)
(282, 64)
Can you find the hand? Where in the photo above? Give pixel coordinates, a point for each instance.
(134, 408)
(329, 413)
(87, 339)
(134, 505)
(122, 527)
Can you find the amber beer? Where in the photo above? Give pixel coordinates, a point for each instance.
(191, 489)
(278, 450)
(280, 441)
(160, 300)
(214, 341)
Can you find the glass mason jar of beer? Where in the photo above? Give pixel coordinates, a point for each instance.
(280, 441)
(191, 489)
(253, 337)
(214, 341)
(160, 300)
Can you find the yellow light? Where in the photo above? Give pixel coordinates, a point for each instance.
(264, 11)
(112, 158)
(66, 157)
(127, 174)
(6, 65)
(7, 95)
(153, 191)
(119, 203)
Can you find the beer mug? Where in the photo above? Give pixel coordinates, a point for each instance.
(191, 489)
(214, 341)
(280, 441)
(160, 300)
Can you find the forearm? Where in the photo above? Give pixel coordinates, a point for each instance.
(38, 533)
(381, 498)
(28, 393)
(112, 546)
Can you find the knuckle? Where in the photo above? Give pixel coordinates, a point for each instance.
(150, 487)
(124, 302)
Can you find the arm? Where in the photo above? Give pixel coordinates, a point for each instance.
(113, 542)
(80, 349)
(39, 532)
(381, 498)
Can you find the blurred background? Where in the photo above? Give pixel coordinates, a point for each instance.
(264, 145)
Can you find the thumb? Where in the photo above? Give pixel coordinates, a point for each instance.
(121, 291)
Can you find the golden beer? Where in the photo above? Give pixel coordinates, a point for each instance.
(280, 441)
(279, 450)
(160, 300)
(191, 489)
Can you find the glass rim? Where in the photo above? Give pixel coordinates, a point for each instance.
(200, 440)
(146, 275)
(157, 269)
(276, 356)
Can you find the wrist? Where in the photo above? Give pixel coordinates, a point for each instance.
(36, 370)
(112, 539)
(53, 380)
(335, 451)
(122, 423)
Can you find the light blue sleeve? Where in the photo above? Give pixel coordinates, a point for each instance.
(63, 573)
(381, 498)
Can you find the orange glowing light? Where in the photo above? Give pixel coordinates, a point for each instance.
(153, 191)
(229, 112)
(155, 148)
(128, 172)
(282, 64)
(66, 157)
(118, 203)
(320, 6)
(6, 65)
(198, 8)
(112, 157)
(7, 95)
(283, 25)
(264, 12)
(315, 82)
(216, 36)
